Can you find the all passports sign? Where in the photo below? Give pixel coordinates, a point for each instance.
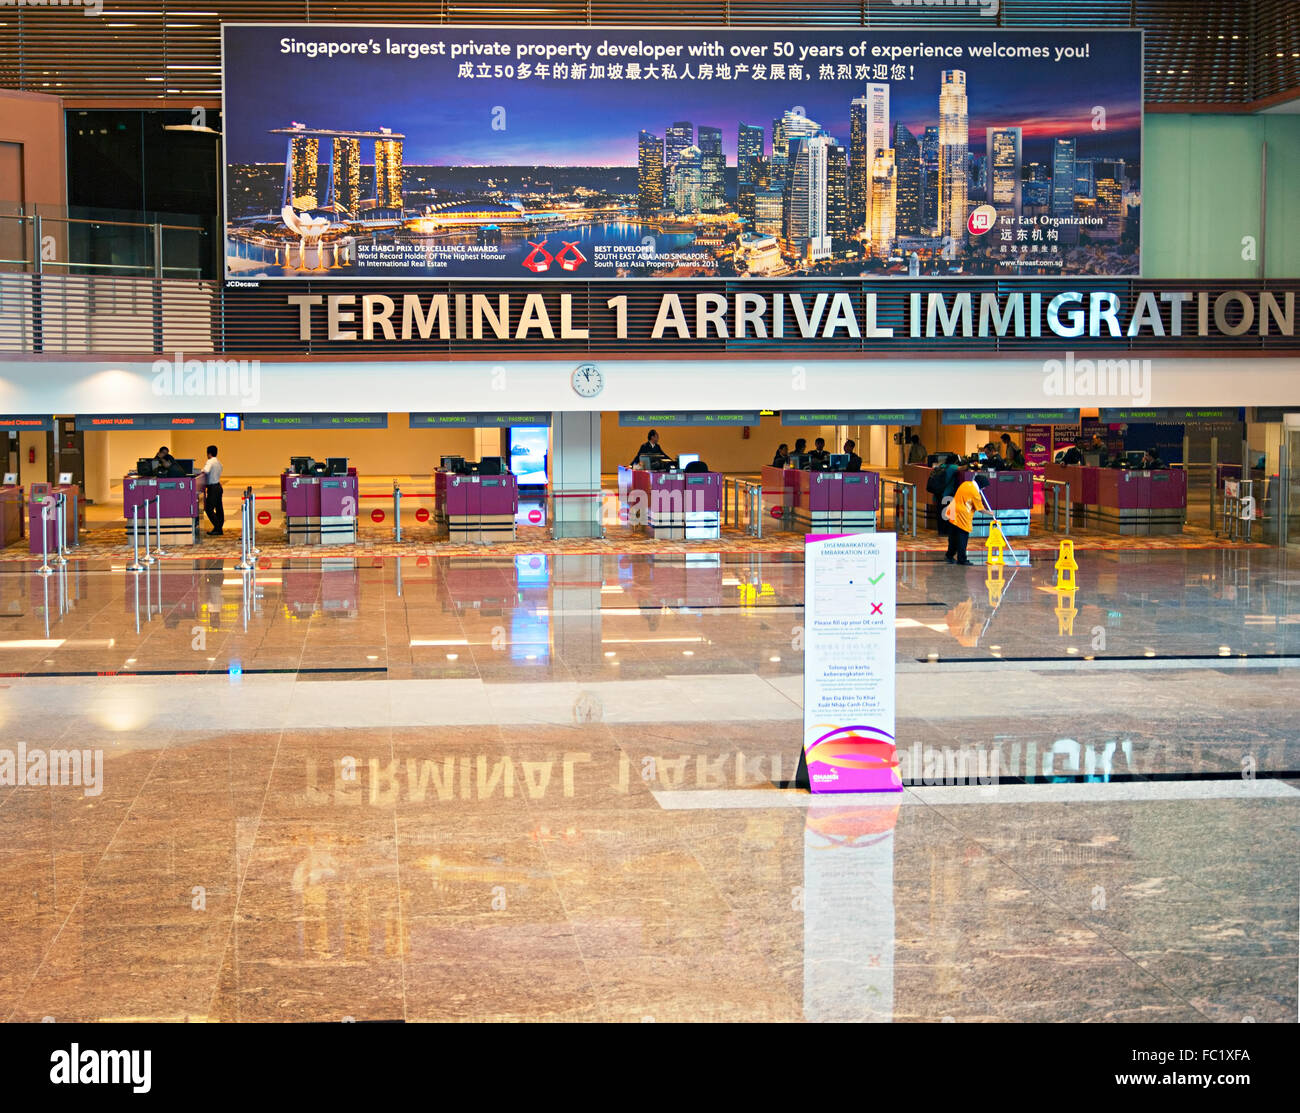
(848, 688)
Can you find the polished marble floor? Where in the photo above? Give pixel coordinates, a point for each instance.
(559, 788)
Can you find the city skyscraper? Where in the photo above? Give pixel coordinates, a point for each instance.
(954, 146)
(769, 210)
(806, 231)
(907, 163)
(688, 180)
(1111, 208)
(756, 176)
(345, 175)
(650, 173)
(713, 169)
(930, 178)
(388, 173)
(301, 172)
(838, 221)
(749, 145)
(676, 139)
(868, 134)
(1063, 152)
(884, 202)
(786, 127)
(1083, 178)
(1003, 152)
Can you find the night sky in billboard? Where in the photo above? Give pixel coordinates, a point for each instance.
(447, 120)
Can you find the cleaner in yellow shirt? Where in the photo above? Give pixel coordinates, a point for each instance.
(962, 510)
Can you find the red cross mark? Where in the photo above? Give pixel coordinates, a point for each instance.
(877, 608)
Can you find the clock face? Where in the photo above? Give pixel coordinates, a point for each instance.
(587, 380)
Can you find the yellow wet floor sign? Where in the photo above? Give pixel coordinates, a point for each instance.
(1066, 567)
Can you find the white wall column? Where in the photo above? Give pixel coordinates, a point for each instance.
(575, 474)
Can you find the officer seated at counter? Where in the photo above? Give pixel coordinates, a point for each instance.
(819, 457)
(782, 455)
(1096, 447)
(1072, 457)
(852, 461)
(1151, 461)
(650, 448)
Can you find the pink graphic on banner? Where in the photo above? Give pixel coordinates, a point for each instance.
(854, 759)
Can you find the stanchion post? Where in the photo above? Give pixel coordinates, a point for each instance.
(60, 527)
(245, 549)
(148, 557)
(157, 519)
(397, 512)
(253, 550)
(45, 568)
(135, 565)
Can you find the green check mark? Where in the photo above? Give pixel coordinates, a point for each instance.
(877, 579)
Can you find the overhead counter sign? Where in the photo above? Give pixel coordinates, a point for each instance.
(315, 421)
(476, 421)
(88, 422)
(542, 154)
(679, 417)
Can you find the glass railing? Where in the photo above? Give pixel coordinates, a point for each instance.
(84, 241)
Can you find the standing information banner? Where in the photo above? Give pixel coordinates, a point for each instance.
(848, 688)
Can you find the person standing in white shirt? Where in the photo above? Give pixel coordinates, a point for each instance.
(212, 492)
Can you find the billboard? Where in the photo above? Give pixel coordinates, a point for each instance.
(595, 153)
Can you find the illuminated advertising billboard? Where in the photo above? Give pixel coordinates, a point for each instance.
(548, 154)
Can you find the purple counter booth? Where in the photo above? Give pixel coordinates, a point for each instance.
(677, 505)
(1009, 493)
(1134, 503)
(836, 501)
(319, 509)
(178, 506)
(13, 527)
(38, 524)
(478, 509)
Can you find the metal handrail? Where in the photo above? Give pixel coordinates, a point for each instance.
(904, 494)
(34, 217)
(194, 272)
(1057, 485)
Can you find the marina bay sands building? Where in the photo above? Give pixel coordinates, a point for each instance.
(342, 193)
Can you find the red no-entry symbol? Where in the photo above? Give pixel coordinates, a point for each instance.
(376, 515)
(422, 514)
(534, 516)
(263, 517)
(775, 512)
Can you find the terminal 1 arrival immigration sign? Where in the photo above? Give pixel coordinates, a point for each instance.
(594, 153)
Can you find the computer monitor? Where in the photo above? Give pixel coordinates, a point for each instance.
(144, 466)
(646, 462)
(183, 467)
(449, 462)
(11, 479)
(337, 465)
(686, 458)
(799, 461)
(489, 465)
(1133, 458)
(839, 461)
(300, 465)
